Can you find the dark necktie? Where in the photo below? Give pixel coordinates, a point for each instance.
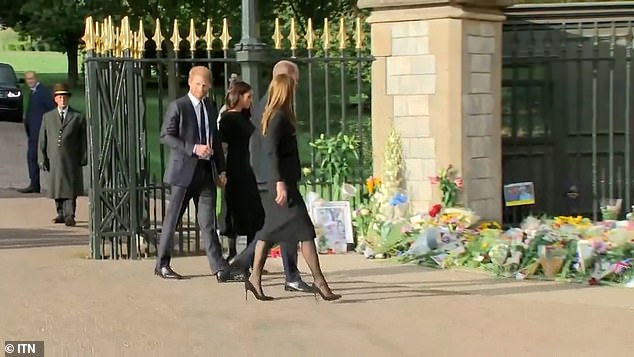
(61, 115)
(203, 127)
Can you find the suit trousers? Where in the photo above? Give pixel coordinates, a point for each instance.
(34, 168)
(203, 191)
(66, 207)
(289, 259)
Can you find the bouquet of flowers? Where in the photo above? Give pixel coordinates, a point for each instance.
(450, 184)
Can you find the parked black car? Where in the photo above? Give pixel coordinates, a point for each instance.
(11, 97)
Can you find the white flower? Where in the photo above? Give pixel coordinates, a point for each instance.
(365, 212)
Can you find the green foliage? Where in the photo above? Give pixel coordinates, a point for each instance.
(338, 155)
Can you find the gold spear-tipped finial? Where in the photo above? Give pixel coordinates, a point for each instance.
(176, 37)
(89, 34)
(106, 34)
(292, 36)
(140, 44)
(112, 41)
(117, 42)
(158, 36)
(277, 35)
(125, 40)
(97, 37)
(225, 37)
(192, 38)
(343, 37)
(209, 36)
(103, 38)
(358, 34)
(133, 48)
(310, 35)
(326, 35)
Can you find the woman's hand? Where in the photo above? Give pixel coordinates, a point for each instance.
(280, 199)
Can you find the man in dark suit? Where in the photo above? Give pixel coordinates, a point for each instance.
(294, 281)
(40, 102)
(195, 157)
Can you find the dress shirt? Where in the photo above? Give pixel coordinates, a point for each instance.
(196, 103)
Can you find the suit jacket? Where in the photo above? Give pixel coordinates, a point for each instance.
(180, 132)
(40, 102)
(279, 155)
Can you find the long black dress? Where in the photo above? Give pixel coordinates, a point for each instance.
(280, 160)
(245, 214)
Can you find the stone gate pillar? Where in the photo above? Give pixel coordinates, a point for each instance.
(437, 80)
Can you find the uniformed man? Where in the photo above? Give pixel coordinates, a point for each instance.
(63, 152)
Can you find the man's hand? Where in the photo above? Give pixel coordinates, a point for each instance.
(280, 199)
(203, 151)
(222, 178)
(44, 166)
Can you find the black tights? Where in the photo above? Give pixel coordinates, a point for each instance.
(309, 251)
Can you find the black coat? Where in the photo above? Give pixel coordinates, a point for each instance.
(245, 212)
(279, 155)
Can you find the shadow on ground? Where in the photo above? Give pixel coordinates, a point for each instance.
(11, 238)
(355, 290)
(12, 192)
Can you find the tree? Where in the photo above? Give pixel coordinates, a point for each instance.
(60, 23)
(57, 22)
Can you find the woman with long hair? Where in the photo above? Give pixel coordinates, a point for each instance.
(286, 217)
(245, 214)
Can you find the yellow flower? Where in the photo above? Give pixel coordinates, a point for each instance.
(372, 184)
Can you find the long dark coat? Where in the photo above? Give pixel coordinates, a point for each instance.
(245, 213)
(63, 151)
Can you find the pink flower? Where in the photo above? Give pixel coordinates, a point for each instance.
(434, 179)
(459, 183)
(405, 229)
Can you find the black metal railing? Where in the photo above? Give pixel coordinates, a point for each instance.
(567, 95)
(128, 89)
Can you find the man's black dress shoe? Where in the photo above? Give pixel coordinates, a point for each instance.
(58, 219)
(167, 273)
(70, 222)
(29, 190)
(224, 276)
(299, 286)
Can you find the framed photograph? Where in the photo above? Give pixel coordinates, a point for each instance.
(519, 194)
(333, 221)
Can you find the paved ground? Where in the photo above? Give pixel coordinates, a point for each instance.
(82, 308)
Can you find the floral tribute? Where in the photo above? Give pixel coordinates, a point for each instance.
(450, 185)
(448, 235)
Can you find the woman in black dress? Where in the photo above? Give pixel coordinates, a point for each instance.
(286, 217)
(245, 214)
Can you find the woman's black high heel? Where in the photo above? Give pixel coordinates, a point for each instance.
(330, 297)
(249, 287)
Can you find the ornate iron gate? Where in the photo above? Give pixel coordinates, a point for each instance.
(130, 78)
(567, 95)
